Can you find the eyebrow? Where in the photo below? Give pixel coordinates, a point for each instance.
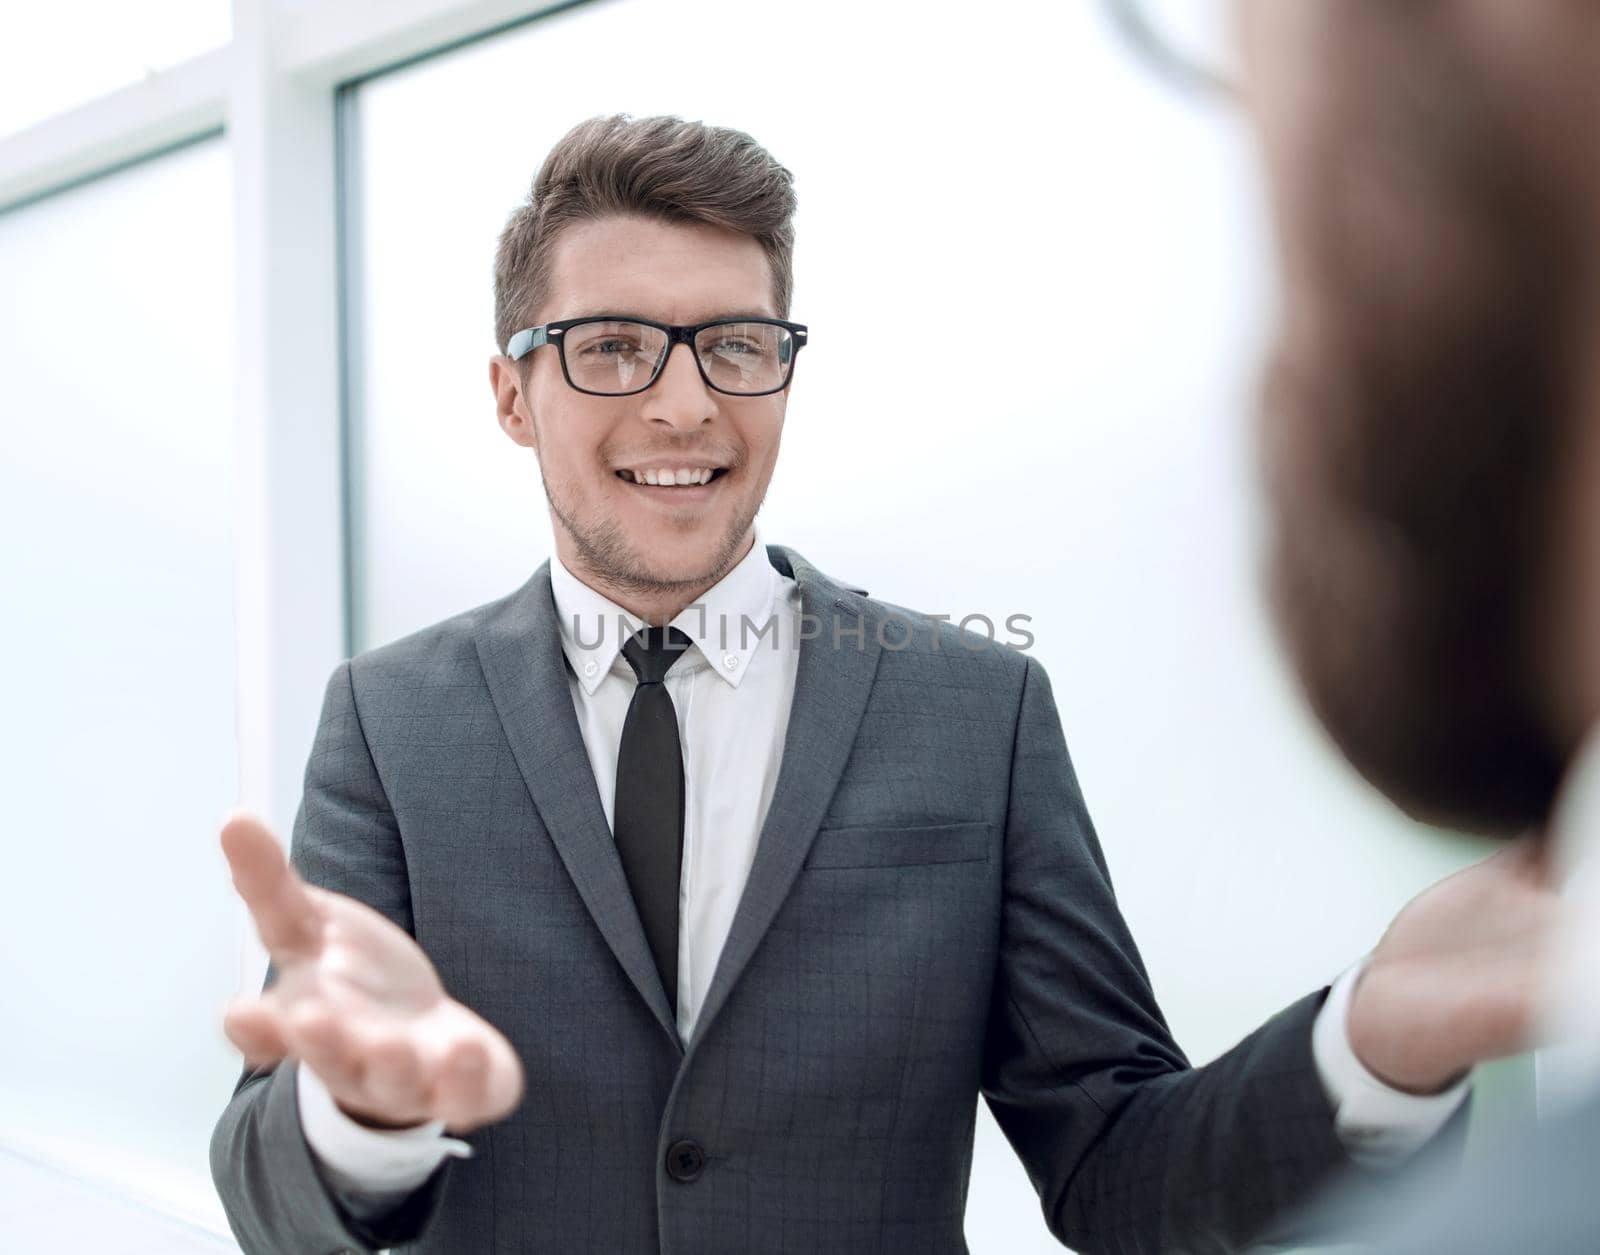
(618, 316)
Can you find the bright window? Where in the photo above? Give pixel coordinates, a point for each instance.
(117, 653)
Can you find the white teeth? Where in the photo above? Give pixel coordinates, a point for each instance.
(682, 475)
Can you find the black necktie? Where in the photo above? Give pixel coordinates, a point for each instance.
(647, 818)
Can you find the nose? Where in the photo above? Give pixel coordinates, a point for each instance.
(680, 396)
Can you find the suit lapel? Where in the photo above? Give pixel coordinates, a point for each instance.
(832, 684)
(519, 646)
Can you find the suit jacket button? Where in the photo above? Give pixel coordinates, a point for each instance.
(685, 1161)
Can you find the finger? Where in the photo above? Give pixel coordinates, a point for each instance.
(284, 912)
(394, 1079)
(460, 1090)
(252, 1026)
(329, 1049)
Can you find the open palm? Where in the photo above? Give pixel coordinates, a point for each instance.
(358, 1001)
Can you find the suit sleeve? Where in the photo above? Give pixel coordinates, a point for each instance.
(1129, 1148)
(346, 840)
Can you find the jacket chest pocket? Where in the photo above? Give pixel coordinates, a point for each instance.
(872, 846)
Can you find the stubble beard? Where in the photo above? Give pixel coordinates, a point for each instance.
(610, 558)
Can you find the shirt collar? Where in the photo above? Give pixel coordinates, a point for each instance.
(593, 626)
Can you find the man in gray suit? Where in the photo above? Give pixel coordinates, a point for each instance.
(1432, 440)
(703, 931)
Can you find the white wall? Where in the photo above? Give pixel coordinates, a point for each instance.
(118, 755)
(957, 166)
(47, 64)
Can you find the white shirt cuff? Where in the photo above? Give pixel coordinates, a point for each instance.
(361, 1160)
(1378, 1124)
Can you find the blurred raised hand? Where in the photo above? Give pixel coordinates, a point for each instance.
(358, 1002)
(1463, 973)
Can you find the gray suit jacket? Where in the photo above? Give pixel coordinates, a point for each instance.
(928, 917)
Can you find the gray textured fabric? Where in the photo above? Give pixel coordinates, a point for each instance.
(928, 915)
(1534, 1191)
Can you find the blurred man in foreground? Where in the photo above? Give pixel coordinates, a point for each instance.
(1431, 441)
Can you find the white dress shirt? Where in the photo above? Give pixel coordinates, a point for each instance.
(1570, 1070)
(732, 693)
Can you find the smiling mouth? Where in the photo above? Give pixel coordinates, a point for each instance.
(688, 478)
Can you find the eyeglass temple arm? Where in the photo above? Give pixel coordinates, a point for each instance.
(795, 342)
(525, 341)
(1133, 22)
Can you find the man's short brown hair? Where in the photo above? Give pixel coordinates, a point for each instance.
(660, 167)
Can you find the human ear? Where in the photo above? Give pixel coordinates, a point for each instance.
(511, 401)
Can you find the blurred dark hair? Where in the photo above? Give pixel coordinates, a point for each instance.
(1417, 408)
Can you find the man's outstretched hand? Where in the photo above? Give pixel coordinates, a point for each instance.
(358, 1001)
(1463, 973)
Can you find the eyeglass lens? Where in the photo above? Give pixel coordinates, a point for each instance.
(614, 357)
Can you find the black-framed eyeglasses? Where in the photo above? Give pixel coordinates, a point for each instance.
(617, 356)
